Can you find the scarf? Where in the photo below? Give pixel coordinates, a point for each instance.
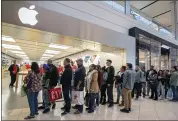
(89, 78)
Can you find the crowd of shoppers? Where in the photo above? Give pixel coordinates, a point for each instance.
(98, 83)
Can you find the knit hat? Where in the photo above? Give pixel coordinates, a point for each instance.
(45, 66)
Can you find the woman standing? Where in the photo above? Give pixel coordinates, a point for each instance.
(33, 81)
(166, 79)
(160, 84)
(92, 87)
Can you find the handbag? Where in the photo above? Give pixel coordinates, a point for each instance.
(24, 89)
(55, 94)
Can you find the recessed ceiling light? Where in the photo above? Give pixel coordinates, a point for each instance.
(165, 46)
(7, 38)
(52, 52)
(21, 55)
(18, 52)
(52, 45)
(13, 47)
(47, 55)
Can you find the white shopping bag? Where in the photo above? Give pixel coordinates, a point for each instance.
(77, 97)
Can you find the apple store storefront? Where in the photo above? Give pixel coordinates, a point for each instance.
(34, 33)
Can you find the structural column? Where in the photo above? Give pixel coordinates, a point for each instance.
(174, 18)
(127, 7)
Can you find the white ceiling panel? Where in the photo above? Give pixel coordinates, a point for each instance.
(157, 8)
(164, 19)
(140, 4)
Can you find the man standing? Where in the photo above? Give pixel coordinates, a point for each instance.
(54, 76)
(148, 80)
(137, 84)
(128, 83)
(79, 78)
(14, 69)
(66, 79)
(110, 81)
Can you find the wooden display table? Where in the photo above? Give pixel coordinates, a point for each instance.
(22, 73)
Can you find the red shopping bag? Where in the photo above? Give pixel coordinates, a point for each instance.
(55, 94)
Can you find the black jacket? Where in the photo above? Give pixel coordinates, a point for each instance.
(11, 69)
(111, 72)
(54, 75)
(66, 77)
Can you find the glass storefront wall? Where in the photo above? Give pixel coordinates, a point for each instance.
(153, 55)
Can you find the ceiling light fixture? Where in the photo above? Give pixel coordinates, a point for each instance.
(21, 55)
(14, 47)
(52, 45)
(52, 52)
(164, 46)
(7, 38)
(47, 55)
(17, 52)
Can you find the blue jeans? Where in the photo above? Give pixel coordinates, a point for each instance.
(46, 98)
(33, 102)
(119, 93)
(174, 92)
(92, 97)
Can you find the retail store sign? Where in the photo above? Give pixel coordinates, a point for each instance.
(28, 16)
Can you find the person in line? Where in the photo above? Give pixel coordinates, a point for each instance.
(154, 85)
(13, 69)
(79, 79)
(110, 81)
(161, 89)
(118, 83)
(137, 84)
(148, 79)
(92, 87)
(33, 82)
(174, 83)
(74, 67)
(45, 89)
(143, 82)
(166, 79)
(54, 77)
(100, 79)
(66, 79)
(103, 86)
(128, 83)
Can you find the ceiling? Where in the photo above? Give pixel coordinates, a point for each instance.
(34, 43)
(159, 10)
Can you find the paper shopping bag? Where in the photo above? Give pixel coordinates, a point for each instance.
(77, 97)
(55, 94)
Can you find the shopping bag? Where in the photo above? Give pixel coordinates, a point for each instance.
(23, 91)
(77, 97)
(169, 93)
(55, 94)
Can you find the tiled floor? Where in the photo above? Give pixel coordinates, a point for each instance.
(15, 107)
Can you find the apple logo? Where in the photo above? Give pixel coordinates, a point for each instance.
(28, 16)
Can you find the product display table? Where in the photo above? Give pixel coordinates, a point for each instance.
(21, 73)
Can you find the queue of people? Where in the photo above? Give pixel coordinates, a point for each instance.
(98, 83)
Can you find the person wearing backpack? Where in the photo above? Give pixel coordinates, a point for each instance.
(103, 86)
(118, 83)
(137, 84)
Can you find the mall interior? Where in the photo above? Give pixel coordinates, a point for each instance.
(143, 33)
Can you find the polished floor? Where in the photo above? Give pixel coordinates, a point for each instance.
(15, 107)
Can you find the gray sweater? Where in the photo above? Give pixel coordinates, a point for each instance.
(129, 79)
(138, 76)
(174, 79)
